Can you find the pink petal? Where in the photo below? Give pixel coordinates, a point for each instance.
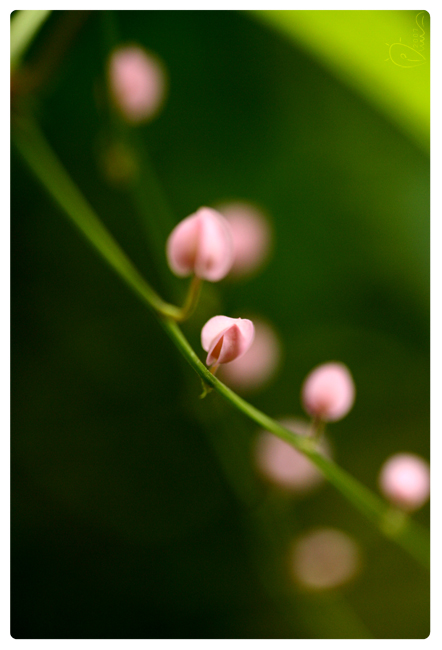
(258, 364)
(324, 558)
(405, 480)
(252, 236)
(328, 392)
(201, 244)
(215, 251)
(283, 465)
(213, 328)
(226, 339)
(231, 346)
(182, 246)
(137, 83)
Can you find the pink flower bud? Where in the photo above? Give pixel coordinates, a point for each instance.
(201, 244)
(226, 339)
(137, 83)
(325, 558)
(258, 364)
(251, 236)
(328, 392)
(404, 479)
(283, 465)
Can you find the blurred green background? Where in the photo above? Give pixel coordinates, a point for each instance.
(136, 508)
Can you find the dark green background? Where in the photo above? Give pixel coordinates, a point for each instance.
(136, 511)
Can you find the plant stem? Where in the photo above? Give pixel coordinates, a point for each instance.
(191, 300)
(409, 535)
(143, 187)
(317, 429)
(48, 169)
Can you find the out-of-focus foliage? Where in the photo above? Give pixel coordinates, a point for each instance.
(23, 29)
(136, 508)
(384, 55)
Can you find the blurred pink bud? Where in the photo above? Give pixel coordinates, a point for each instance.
(251, 236)
(137, 83)
(226, 339)
(283, 465)
(201, 244)
(404, 479)
(258, 364)
(328, 392)
(325, 558)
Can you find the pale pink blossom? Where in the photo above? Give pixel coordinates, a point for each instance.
(328, 392)
(201, 244)
(137, 83)
(252, 236)
(226, 339)
(258, 364)
(285, 466)
(325, 558)
(404, 479)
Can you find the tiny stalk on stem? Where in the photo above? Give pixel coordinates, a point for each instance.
(180, 314)
(317, 429)
(39, 156)
(191, 301)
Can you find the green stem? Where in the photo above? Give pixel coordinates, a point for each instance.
(48, 169)
(191, 300)
(46, 166)
(317, 429)
(143, 186)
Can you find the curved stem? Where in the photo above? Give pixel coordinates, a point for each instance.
(46, 166)
(44, 163)
(408, 534)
